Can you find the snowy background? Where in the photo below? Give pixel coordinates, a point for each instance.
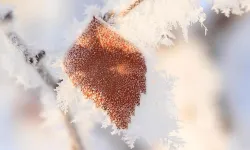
(206, 83)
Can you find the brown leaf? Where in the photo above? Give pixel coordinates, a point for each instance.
(109, 70)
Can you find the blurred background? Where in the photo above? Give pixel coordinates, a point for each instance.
(212, 93)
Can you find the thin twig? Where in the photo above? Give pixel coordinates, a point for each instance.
(131, 7)
(50, 81)
(123, 13)
(15, 39)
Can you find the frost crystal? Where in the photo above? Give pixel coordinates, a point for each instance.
(237, 7)
(161, 17)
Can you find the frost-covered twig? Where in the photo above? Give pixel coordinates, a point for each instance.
(20, 45)
(5, 14)
(48, 78)
(15, 39)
